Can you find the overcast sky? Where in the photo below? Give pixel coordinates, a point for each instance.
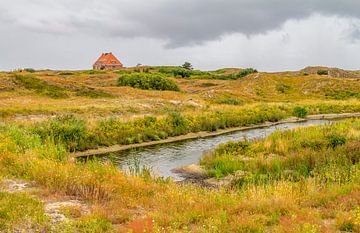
(265, 34)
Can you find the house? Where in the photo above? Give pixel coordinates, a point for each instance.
(107, 61)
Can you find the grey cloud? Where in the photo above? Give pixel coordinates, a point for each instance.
(179, 23)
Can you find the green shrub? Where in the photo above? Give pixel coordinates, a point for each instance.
(246, 72)
(336, 140)
(94, 72)
(147, 82)
(282, 88)
(184, 73)
(176, 71)
(323, 72)
(91, 93)
(68, 130)
(347, 226)
(300, 112)
(230, 101)
(341, 94)
(30, 70)
(178, 122)
(66, 73)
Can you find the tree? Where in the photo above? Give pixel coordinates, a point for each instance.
(187, 65)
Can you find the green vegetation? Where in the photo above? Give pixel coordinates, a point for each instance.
(302, 180)
(342, 94)
(148, 82)
(187, 65)
(289, 182)
(19, 211)
(323, 72)
(197, 74)
(329, 154)
(230, 101)
(300, 112)
(40, 87)
(76, 133)
(30, 70)
(93, 93)
(283, 88)
(53, 91)
(246, 72)
(66, 73)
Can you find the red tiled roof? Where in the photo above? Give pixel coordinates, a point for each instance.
(108, 59)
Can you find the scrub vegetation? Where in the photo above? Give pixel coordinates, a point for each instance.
(301, 180)
(148, 82)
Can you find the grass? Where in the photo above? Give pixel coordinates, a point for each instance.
(287, 205)
(20, 211)
(40, 87)
(78, 134)
(303, 180)
(327, 153)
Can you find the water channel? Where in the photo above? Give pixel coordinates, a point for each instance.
(162, 159)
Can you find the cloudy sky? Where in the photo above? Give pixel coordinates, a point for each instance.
(266, 34)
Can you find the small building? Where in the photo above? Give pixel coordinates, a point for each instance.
(107, 61)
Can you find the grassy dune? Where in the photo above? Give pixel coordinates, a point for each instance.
(303, 180)
(93, 94)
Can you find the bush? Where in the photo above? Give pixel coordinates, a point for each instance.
(67, 130)
(300, 112)
(184, 73)
(30, 70)
(246, 72)
(176, 71)
(323, 72)
(282, 88)
(230, 101)
(148, 82)
(66, 73)
(178, 123)
(336, 140)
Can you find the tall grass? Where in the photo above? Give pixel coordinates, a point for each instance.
(77, 134)
(328, 153)
(288, 203)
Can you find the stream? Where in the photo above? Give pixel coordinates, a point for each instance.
(163, 158)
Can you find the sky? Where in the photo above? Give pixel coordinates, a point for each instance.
(269, 35)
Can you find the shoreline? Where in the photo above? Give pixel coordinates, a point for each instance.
(204, 134)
